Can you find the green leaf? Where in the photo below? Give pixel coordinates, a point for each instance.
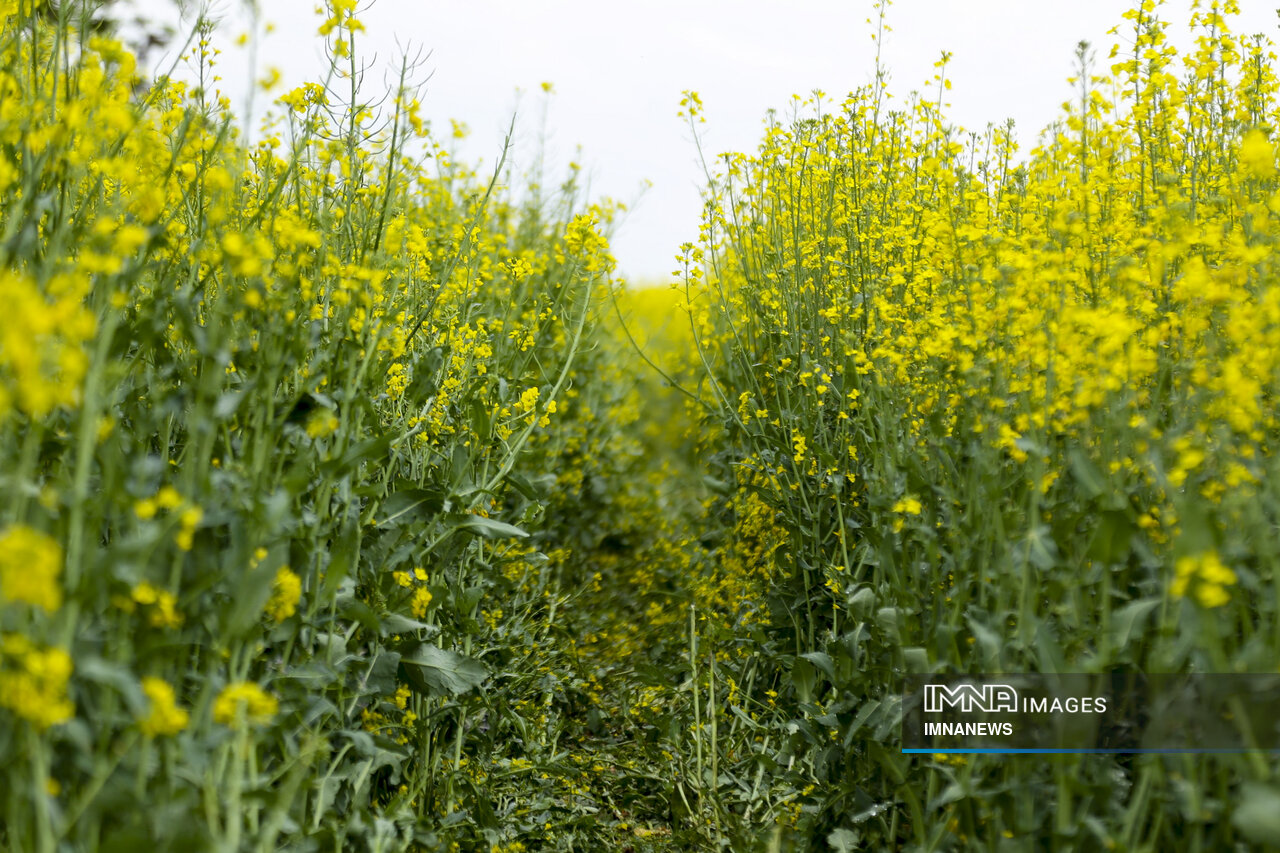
(461, 462)
(353, 608)
(916, 659)
(488, 527)
(409, 505)
(466, 600)
(1128, 619)
(889, 619)
(861, 602)
(113, 675)
(395, 623)
(313, 675)
(340, 561)
(989, 643)
(437, 672)
(720, 487)
(532, 488)
(382, 674)
(843, 841)
(822, 661)
(1087, 474)
(372, 450)
(251, 596)
(229, 401)
(805, 677)
(1110, 542)
(1040, 549)
(480, 420)
(1258, 815)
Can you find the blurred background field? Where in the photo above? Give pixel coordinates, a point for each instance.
(350, 499)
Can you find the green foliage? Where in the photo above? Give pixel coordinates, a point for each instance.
(983, 416)
(347, 501)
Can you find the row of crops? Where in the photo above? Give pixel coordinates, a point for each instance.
(350, 501)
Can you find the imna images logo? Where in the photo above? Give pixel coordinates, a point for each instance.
(970, 698)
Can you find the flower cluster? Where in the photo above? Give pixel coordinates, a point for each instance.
(164, 718)
(286, 590)
(30, 565)
(33, 681)
(244, 703)
(1205, 576)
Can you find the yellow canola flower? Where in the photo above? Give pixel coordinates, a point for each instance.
(1257, 155)
(397, 380)
(545, 420)
(322, 423)
(42, 342)
(164, 718)
(583, 239)
(286, 591)
(244, 702)
(303, 96)
(528, 400)
(168, 498)
(30, 563)
(165, 613)
(1206, 576)
(162, 605)
(908, 506)
(421, 601)
(145, 593)
(189, 519)
(33, 681)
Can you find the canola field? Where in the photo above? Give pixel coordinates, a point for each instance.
(350, 501)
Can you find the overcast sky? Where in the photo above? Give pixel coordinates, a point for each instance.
(618, 70)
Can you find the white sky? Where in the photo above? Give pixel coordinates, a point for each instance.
(619, 68)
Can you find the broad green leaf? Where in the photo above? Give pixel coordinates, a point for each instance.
(805, 677)
(1039, 548)
(381, 679)
(988, 641)
(843, 841)
(916, 659)
(1258, 815)
(370, 450)
(229, 401)
(1110, 543)
(822, 661)
(117, 676)
(252, 593)
(1091, 481)
(438, 672)
(488, 527)
(1130, 618)
(395, 623)
(409, 505)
